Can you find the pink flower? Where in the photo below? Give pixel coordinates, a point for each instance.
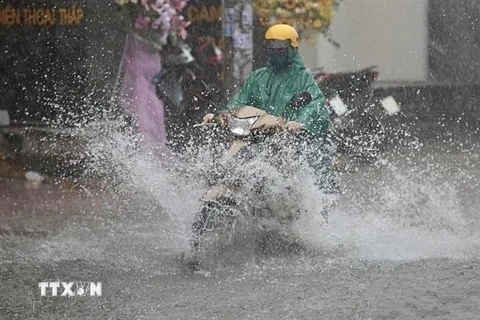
(145, 4)
(160, 6)
(180, 25)
(166, 19)
(141, 23)
(183, 34)
(180, 4)
(162, 21)
(163, 38)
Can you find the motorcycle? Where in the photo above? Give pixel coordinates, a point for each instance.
(229, 202)
(186, 87)
(358, 117)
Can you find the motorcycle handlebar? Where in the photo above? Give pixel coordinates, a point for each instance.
(205, 124)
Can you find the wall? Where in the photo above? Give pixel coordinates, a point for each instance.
(391, 34)
(42, 56)
(454, 41)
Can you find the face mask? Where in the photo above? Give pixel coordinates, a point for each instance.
(279, 60)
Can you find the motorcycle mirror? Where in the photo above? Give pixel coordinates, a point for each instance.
(300, 99)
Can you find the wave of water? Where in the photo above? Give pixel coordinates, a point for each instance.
(417, 203)
(405, 212)
(406, 207)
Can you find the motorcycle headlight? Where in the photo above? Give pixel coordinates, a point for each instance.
(241, 127)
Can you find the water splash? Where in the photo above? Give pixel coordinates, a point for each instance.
(403, 210)
(412, 205)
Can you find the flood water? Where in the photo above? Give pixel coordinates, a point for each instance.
(403, 242)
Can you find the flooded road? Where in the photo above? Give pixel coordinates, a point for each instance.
(402, 243)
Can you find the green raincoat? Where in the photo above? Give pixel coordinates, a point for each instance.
(271, 90)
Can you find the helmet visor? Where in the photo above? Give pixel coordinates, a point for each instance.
(274, 44)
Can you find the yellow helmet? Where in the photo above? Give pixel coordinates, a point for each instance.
(283, 32)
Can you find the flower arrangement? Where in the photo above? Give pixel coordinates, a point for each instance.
(304, 15)
(155, 21)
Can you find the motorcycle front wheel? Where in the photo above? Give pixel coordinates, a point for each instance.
(214, 219)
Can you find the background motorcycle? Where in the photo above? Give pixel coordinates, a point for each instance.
(187, 88)
(357, 115)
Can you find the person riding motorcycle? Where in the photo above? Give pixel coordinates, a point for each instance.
(271, 88)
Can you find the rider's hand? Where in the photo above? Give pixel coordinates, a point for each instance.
(294, 126)
(208, 118)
